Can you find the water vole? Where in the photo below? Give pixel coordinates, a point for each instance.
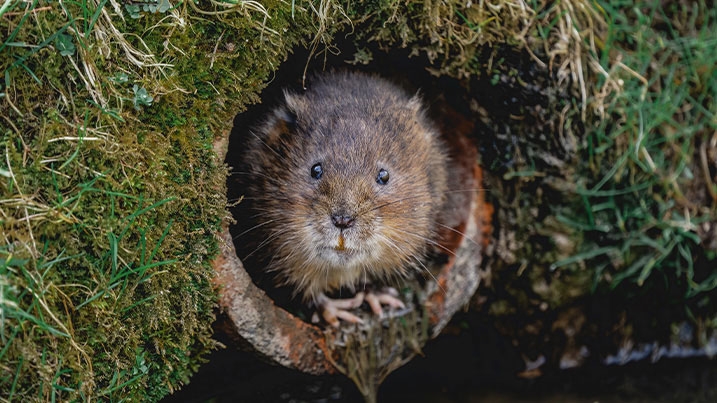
(345, 182)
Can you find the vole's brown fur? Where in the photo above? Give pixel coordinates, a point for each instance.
(353, 125)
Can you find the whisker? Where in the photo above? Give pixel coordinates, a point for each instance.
(267, 146)
(415, 196)
(424, 194)
(266, 241)
(465, 236)
(254, 227)
(260, 214)
(430, 274)
(416, 259)
(270, 178)
(426, 239)
(467, 190)
(392, 244)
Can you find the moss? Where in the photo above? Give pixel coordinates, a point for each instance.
(110, 205)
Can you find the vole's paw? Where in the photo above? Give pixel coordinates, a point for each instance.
(334, 309)
(385, 296)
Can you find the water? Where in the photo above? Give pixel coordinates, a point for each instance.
(461, 367)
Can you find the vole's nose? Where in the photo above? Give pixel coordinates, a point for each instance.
(342, 221)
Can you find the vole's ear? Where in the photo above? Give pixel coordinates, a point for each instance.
(283, 121)
(415, 104)
(294, 107)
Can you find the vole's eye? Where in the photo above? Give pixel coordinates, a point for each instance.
(382, 177)
(317, 171)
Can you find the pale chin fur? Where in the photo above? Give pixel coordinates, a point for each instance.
(340, 260)
(356, 253)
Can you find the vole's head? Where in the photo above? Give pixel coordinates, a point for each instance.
(348, 179)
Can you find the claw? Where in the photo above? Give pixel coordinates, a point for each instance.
(334, 309)
(387, 296)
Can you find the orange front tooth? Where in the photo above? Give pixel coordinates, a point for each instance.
(341, 247)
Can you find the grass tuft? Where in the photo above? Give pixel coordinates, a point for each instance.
(110, 193)
(647, 144)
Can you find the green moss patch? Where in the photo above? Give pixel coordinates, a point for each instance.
(111, 191)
